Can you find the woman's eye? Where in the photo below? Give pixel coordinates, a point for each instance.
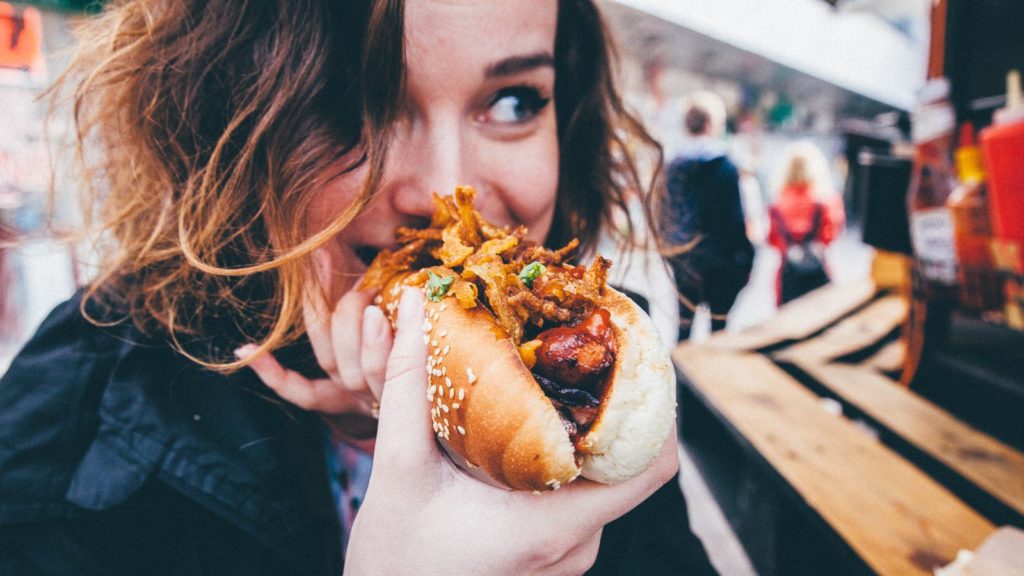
(515, 105)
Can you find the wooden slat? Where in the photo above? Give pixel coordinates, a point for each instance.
(800, 318)
(895, 517)
(988, 463)
(888, 359)
(863, 329)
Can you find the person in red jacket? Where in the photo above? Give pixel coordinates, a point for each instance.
(806, 216)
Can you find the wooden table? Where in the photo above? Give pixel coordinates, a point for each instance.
(896, 515)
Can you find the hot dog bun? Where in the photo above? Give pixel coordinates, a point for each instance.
(489, 412)
(639, 406)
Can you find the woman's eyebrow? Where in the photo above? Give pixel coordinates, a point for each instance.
(516, 64)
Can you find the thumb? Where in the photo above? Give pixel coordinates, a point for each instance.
(404, 436)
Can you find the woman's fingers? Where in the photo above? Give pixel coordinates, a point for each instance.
(346, 329)
(316, 314)
(376, 348)
(318, 394)
(336, 333)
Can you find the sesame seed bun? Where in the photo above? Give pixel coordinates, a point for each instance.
(492, 417)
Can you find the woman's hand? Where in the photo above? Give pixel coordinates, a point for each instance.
(351, 340)
(422, 515)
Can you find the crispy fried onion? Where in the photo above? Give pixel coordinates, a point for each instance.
(487, 261)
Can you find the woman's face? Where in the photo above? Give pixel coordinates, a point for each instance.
(480, 111)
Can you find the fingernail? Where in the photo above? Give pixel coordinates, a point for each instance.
(373, 324)
(246, 351)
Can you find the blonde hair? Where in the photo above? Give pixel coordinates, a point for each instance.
(805, 165)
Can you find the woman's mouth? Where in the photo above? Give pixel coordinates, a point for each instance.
(366, 254)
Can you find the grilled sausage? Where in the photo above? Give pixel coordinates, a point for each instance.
(572, 356)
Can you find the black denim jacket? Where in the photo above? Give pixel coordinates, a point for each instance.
(119, 456)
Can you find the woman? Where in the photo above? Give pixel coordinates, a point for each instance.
(253, 156)
(806, 216)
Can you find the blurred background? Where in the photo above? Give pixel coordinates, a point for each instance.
(837, 73)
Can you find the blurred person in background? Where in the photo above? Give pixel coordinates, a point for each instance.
(246, 161)
(806, 215)
(703, 217)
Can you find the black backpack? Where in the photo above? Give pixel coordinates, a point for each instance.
(802, 267)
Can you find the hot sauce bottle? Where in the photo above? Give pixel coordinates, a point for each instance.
(934, 269)
(931, 182)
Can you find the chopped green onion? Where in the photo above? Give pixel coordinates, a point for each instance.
(437, 286)
(531, 272)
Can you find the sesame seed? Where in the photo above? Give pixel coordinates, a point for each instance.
(462, 394)
(444, 307)
(433, 389)
(446, 349)
(456, 405)
(445, 408)
(446, 423)
(447, 381)
(451, 392)
(470, 376)
(426, 337)
(443, 333)
(461, 430)
(434, 343)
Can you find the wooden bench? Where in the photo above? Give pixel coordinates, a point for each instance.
(888, 358)
(991, 465)
(852, 334)
(896, 518)
(800, 318)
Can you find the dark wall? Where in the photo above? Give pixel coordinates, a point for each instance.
(984, 40)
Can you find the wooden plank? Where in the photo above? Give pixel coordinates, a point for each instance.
(800, 318)
(857, 332)
(888, 359)
(988, 463)
(890, 513)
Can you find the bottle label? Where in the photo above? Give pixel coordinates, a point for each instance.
(931, 231)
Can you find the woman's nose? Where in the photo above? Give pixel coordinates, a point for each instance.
(432, 159)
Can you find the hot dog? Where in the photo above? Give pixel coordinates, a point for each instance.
(538, 372)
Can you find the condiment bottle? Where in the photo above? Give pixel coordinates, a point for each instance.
(980, 287)
(931, 182)
(1003, 148)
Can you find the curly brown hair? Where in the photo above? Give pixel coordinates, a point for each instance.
(203, 127)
